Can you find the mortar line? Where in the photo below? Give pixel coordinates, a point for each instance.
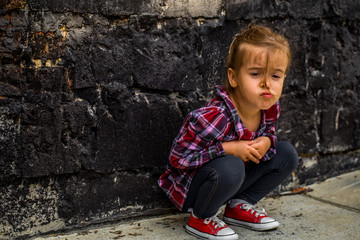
(352, 209)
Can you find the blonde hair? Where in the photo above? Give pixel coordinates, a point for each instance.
(256, 36)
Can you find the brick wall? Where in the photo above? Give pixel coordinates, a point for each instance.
(92, 93)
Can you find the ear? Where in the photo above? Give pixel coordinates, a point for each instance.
(232, 77)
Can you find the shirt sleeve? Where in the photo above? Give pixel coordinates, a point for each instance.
(200, 138)
(271, 116)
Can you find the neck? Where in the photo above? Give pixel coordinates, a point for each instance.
(244, 111)
(250, 118)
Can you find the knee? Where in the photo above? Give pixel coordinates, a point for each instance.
(288, 154)
(232, 171)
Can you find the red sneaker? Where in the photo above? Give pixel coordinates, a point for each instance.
(245, 215)
(210, 228)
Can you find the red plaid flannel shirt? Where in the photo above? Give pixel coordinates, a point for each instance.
(200, 138)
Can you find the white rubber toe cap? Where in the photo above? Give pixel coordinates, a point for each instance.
(225, 232)
(267, 220)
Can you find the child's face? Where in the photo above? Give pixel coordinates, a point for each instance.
(259, 81)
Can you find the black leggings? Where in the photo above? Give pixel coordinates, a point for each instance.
(227, 177)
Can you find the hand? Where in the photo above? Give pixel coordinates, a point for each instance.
(243, 149)
(261, 144)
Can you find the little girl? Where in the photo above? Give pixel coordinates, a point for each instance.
(227, 152)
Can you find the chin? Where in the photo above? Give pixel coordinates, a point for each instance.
(266, 107)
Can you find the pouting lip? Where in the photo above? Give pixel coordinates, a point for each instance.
(266, 94)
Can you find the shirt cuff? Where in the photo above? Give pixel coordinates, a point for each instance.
(272, 138)
(216, 150)
(269, 154)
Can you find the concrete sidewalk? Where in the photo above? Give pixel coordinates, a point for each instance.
(330, 211)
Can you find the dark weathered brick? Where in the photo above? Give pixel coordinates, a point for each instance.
(92, 94)
(109, 8)
(83, 193)
(128, 131)
(169, 56)
(346, 9)
(325, 167)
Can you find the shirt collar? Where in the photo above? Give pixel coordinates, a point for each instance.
(239, 127)
(226, 97)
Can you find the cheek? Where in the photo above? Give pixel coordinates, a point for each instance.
(278, 86)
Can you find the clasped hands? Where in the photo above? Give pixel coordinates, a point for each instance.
(248, 150)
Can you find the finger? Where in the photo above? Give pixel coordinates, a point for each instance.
(249, 143)
(255, 145)
(255, 153)
(253, 159)
(256, 140)
(251, 156)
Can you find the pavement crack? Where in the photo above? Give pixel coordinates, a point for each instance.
(352, 209)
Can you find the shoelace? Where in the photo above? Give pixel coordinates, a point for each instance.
(216, 222)
(258, 212)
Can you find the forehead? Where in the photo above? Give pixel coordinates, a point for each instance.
(264, 57)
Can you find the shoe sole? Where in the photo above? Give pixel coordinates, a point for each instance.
(252, 226)
(196, 233)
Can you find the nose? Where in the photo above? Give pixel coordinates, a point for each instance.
(265, 83)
